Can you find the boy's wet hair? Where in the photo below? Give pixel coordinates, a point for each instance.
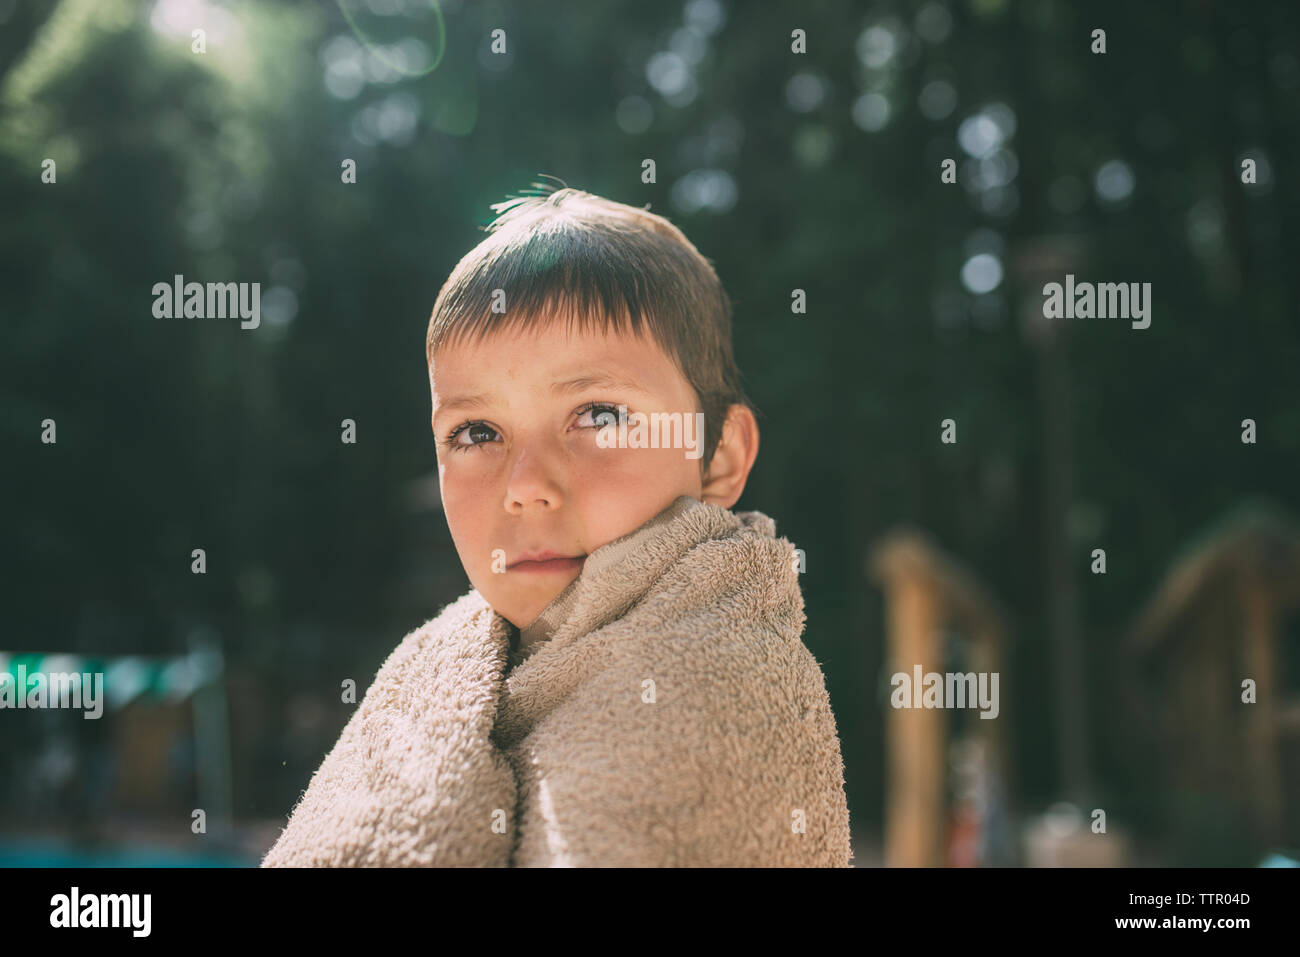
(612, 267)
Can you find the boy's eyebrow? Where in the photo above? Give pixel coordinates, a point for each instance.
(588, 380)
(576, 384)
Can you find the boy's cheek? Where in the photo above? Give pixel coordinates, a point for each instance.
(461, 491)
(640, 468)
(475, 556)
(630, 460)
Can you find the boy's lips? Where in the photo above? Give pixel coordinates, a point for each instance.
(533, 562)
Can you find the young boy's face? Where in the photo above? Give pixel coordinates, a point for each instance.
(527, 474)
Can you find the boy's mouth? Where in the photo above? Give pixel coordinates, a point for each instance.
(546, 563)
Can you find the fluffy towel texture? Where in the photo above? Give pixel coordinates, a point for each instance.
(670, 715)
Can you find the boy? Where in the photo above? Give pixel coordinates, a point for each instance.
(625, 684)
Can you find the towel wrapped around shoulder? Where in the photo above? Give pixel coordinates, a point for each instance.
(671, 717)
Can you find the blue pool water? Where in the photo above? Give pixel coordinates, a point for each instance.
(44, 854)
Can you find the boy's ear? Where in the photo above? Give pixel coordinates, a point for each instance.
(729, 468)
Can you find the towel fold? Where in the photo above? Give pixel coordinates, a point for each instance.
(661, 711)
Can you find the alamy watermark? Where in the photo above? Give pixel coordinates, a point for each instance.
(948, 690)
(75, 909)
(656, 430)
(1105, 300)
(56, 689)
(215, 300)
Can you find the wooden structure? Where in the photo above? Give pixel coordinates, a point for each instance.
(928, 597)
(1219, 618)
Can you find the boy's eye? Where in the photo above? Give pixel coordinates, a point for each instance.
(470, 429)
(603, 415)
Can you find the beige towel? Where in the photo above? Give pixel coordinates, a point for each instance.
(664, 713)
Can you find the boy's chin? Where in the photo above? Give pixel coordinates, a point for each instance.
(520, 598)
(522, 612)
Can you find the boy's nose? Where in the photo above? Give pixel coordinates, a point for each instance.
(531, 484)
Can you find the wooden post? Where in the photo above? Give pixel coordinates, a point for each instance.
(914, 816)
(926, 593)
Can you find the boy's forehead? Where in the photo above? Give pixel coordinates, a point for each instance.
(548, 353)
(555, 360)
